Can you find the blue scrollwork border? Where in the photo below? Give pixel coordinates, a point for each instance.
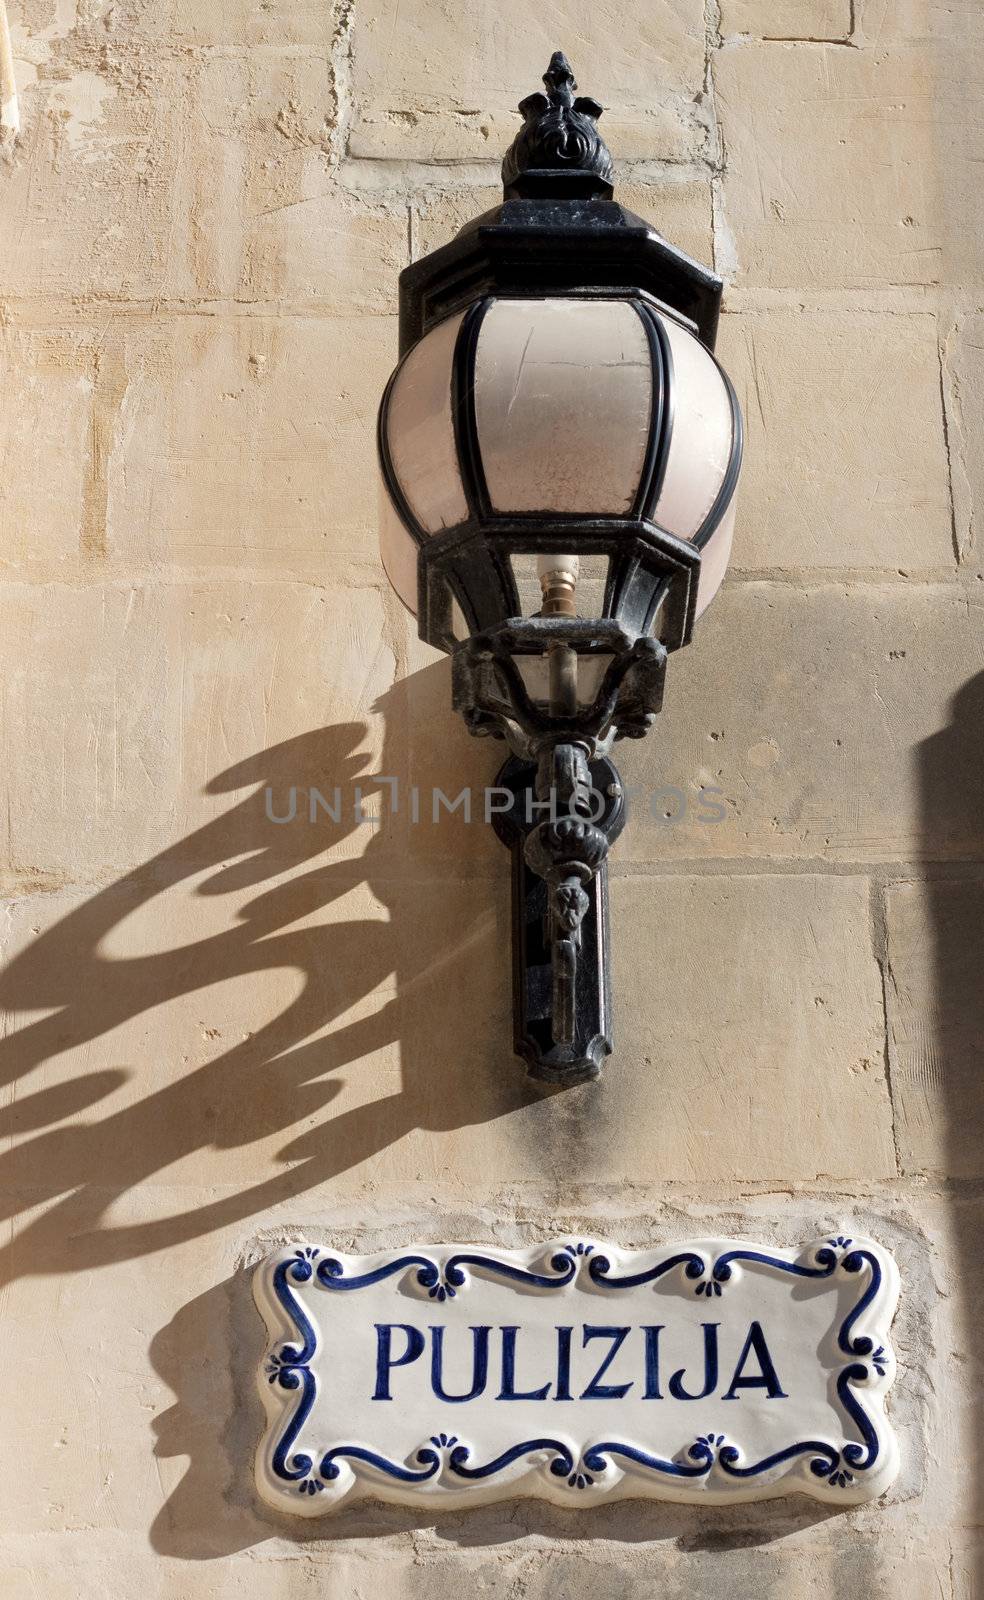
(289, 1368)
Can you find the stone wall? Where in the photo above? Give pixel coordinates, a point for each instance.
(220, 1032)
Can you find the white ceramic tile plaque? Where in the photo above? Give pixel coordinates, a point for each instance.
(579, 1372)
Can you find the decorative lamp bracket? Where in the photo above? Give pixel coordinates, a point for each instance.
(558, 401)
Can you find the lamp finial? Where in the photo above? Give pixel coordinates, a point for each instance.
(558, 153)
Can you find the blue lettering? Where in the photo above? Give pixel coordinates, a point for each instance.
(508, 1390)
(767, 1379)
(652, 1362)
(710, 1367)
(385, 1360)
(480, 1364)
(754, 1371)
(564, 1336)
(597, 1390)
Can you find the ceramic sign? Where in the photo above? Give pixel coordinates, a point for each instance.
(451, 1375)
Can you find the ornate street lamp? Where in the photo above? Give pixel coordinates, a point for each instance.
(558, 415)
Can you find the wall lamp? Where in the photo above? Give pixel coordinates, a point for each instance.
(560, 451)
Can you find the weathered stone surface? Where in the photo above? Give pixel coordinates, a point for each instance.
(193, 443)
(914, 22)
(261, 214)
(46, 444)
(962, 354)
(830, 165)
(966, 1566)
(324, 248)
(936, 1024)
(678, 208)
(787, 19)
(137, 722)
(434, 811)
(460, 102)
(784, 963)
(440, 213)
(836, 473)
(256, 126)
(879, 763)
(248, 444)
(772, 1573)
(956, 49)
(102, 220)
(283, 23)
(187, 173)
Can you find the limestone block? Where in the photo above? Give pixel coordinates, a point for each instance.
(787, 19)
(282, 23)
(963, 384)
(137, 714)
(439, 213)
(259, 212)
(144, 173)
(324, 249)
(967, 1567)
(88, 194)
(831, 721)
(935, 1024)
(471, 68)
(767, 1570)
(48, 445)
(836, 472)
(956, 49)
(748, 1009)
(257, 128)
(263, 216)
(801, 722)
(433, 810)
(273, 1575)
(247, 444)
(830, 165)
(949, 1347)
(881, 22)
(71, 1446)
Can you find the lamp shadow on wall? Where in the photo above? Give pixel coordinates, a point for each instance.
(382, 995)
(377, 989)
(397, 984)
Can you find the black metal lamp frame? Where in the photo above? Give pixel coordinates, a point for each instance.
(558, 232)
